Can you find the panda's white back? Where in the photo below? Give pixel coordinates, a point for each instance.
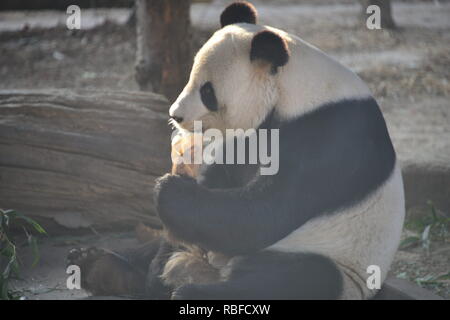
(367, 233)
(311, 78)
(340, 168)
(364, 234)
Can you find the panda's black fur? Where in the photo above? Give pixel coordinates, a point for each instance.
(331, 158)
(270, 47)
(233, 210)
(269, 275)
(237, 12)
(244, 218)
(351, 133)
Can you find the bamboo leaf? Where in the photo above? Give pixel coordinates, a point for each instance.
(409, 242)
(426, 237)
(35, 225)
(34, 247)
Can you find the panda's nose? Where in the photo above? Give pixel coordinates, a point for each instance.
(177, 119)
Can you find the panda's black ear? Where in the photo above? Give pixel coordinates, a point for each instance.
(237, 12)
(270, 47)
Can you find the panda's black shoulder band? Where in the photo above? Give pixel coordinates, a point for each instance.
(269, 46)
(238, 12)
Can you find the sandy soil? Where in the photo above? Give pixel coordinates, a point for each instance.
(408, 71)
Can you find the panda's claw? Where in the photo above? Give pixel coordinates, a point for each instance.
(82, 256)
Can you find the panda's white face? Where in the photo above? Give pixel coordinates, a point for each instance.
(226, 89)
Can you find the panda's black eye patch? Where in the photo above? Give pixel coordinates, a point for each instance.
(208, 96)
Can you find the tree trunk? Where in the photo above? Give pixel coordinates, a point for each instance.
(6, 5)
(164, 53)
(387, 22)
(84, 159)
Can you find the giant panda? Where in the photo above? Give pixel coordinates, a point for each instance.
(336, 205)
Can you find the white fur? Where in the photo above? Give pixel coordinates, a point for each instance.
(312, 78)
(365, 234)
(245, 95)
(246, 91)
(356, 237)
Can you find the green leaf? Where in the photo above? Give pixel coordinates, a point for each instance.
(426, 279)
(34, 246)
(35, 225)
(430, 279)
(10, 253)
(6, 221)
(409, 242)
(9, 267)
(3, 288)
(443, 277)
(434, 215)
(426, 237)
(8, 250)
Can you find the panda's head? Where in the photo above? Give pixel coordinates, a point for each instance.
(233, 82)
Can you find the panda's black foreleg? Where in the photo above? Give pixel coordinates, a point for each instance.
(272, 275)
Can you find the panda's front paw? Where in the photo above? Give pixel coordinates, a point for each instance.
(173, 193)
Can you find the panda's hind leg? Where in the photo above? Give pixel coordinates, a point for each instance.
(104, 272)
(272, 275)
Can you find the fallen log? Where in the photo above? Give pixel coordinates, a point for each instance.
(89, 158)
(82, 159)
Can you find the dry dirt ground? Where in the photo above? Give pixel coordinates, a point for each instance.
(408, 71)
